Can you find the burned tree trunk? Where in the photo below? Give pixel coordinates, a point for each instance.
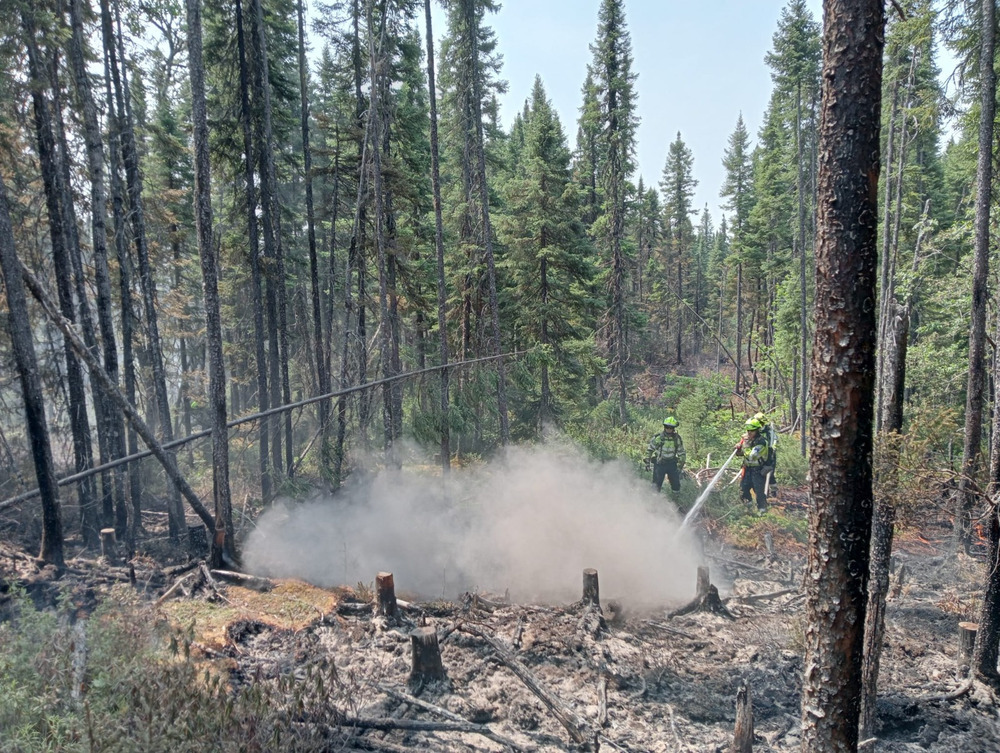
(31, 390)
(975, 394)
(114, 504)
(426, 662)
(210, 286)
(743, 733)
(55, 195)
(442, 292)
(591, 588)
(843, 368)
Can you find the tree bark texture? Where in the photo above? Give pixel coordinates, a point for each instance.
(975, 394)
(31, 390)
(108, 416)
(165, 456)
(210, 287)
(253, 251)
(55, 197)
(133, 182)
(322, 373)
(442, 291)
(843, 368)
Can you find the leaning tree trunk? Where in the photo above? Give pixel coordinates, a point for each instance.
(31, 390)
(976, 390)
(442, 292)
(843, 370)
(210, 285)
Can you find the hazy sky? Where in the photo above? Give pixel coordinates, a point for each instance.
(700, 64)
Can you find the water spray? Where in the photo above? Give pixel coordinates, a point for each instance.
(704, 495)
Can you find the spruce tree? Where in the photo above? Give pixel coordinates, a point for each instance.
(614, 83)
(549, 261)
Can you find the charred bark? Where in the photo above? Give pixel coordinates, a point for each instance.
(843, 368)
(31, 390)
(442, 292)
(210, 286)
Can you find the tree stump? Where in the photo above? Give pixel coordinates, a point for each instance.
(966, 640)
(197, 541)
(704, 581)
(591, 589)
(426, 663)
(385, 596)
(743, 733)
(109, 547)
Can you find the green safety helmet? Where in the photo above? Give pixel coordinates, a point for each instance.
(670, 421)
(753, 424)
(760, 418)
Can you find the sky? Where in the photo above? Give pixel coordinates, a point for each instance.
(699, 63)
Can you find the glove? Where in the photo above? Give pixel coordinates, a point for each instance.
(648, 463)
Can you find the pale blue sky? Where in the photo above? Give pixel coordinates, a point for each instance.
(699, 63)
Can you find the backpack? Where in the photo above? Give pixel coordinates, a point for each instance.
(771, 436)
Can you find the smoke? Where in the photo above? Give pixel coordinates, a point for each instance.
(529, 523)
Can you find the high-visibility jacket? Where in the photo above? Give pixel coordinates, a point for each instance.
(663, 447)
(756, 452)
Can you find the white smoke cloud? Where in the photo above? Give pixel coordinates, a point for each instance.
(529, 523)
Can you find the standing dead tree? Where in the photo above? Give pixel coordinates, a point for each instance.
(843, 368)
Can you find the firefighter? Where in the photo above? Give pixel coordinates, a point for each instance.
(756, 454)
(665, 453)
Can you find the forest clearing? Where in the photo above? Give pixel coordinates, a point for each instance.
(294, 318)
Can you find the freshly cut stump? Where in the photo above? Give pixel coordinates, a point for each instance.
(109, 546)
(966, 640)
(385, 594)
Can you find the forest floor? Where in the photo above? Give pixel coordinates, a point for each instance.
(549, 677)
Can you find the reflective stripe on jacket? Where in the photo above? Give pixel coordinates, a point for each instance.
(757, 452)
(666, 447)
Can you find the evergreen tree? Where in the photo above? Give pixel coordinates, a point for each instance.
(794, 62)
(678, 184)
(614, 82)
(548, 261)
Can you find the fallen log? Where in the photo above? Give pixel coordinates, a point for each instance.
(569, 720)
(399, 695)
(178, 585)
(254, 582)
(764, 597)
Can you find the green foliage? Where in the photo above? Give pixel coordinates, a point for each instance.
(139, 688)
